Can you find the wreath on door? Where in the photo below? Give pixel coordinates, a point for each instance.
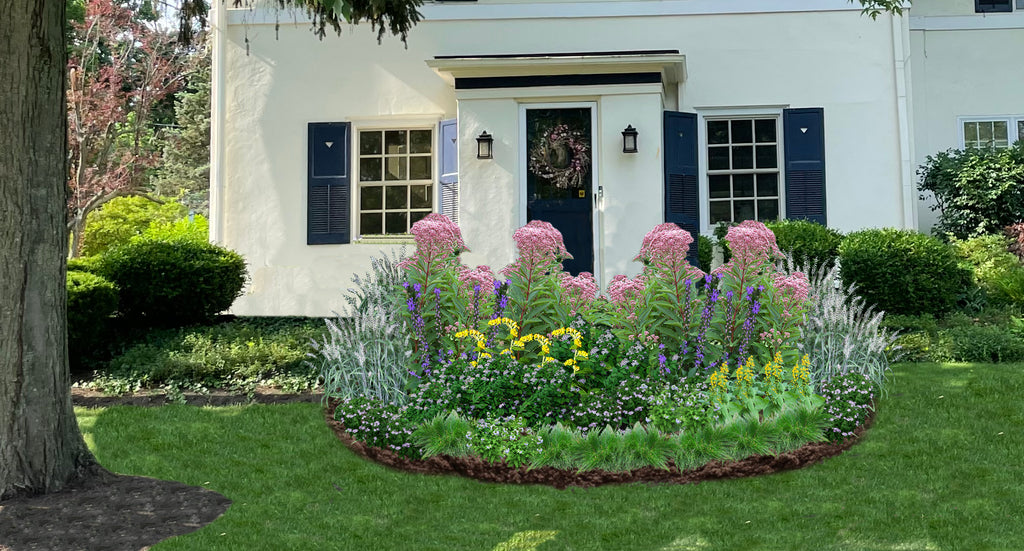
(562, 156)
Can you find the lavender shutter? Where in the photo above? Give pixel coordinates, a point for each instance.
(448, 165)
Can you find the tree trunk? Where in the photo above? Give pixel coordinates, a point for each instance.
(41, 449)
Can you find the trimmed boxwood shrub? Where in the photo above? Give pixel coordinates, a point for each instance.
(89, 264)
(810, 244)
(903, 271)
(92, 300)
(173, 282)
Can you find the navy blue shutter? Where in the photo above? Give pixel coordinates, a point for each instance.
(682, 200)
(448, 165)
(328, 218)
(804, 131)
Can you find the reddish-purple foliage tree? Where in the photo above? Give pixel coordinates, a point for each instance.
(119, 68)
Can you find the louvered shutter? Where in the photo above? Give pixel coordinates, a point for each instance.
(682, 200)
(448, 165)
(804, 131)
(328, 218)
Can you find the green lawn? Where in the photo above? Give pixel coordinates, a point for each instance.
(941, 469)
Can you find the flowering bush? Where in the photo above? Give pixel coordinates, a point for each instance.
(849, 401)
(503, 356)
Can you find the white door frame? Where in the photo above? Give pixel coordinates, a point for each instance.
(594, 210)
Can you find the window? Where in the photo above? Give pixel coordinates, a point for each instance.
(990, 6)
(743, 169)
(395, 179)
(997, 132)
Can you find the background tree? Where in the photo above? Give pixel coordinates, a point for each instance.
(120, 68)
(185, 169)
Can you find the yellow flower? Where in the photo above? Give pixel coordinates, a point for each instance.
(513, 327)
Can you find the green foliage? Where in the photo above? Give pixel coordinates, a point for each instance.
(185, 171)
(685, 407)
(444, 435)
(506, 439)
(977, 191)
(980, 343)
(849, 400)
(696, 448)
(123, 218)
(810, 244)
(903, 271)
(92, 300)
(558, 447)
(174, 282)
(705, 253)
(377, 424)
(89, 264)
(238, 354)
(195, 228)
(998, 272)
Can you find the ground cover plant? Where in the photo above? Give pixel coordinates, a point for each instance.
(238, 354)
(939, 469)
(529, 366)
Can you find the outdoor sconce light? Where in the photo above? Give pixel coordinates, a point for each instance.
(484, 146)
(629, 139)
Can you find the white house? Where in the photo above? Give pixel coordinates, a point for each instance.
(325, 152)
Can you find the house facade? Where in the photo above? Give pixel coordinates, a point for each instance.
(497, 113)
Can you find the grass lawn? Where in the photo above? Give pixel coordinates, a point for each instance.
(941, 469)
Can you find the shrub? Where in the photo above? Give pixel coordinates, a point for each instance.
(239, 354)
(996, 270)
(91, 302)
(116, 222)
(980, 343)
(174, 282)
(378, 424)
(810, 244)
(903, 271)
(195, 229)
(977, 191)
(705, 253)
(90, 264)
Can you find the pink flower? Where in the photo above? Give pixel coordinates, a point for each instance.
(793, 289)
(665, 248)
(539, 243)
(437, 238)
(751, 242)
(624, 291)
(579, 290)
(481, 275)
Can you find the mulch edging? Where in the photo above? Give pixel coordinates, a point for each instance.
(479, 469)
(93, 399)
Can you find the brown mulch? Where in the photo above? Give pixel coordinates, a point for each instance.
(107, 512)
(479, 469)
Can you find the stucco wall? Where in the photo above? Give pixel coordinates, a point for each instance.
(961, 73)
(836, 60)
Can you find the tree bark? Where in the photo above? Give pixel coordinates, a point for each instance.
(41, 448)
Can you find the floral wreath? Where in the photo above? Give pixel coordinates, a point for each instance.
(562, 156)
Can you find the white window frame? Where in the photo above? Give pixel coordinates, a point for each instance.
(712, 113)
(418, 123)
(1012, 127)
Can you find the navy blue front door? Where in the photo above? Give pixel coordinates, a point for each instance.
(559, 178)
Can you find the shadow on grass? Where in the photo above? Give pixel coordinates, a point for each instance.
(931, 474)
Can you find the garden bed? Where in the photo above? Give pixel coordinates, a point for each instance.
(500, 472)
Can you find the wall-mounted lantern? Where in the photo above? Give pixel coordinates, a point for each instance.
(485, 146)
(629, 139)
